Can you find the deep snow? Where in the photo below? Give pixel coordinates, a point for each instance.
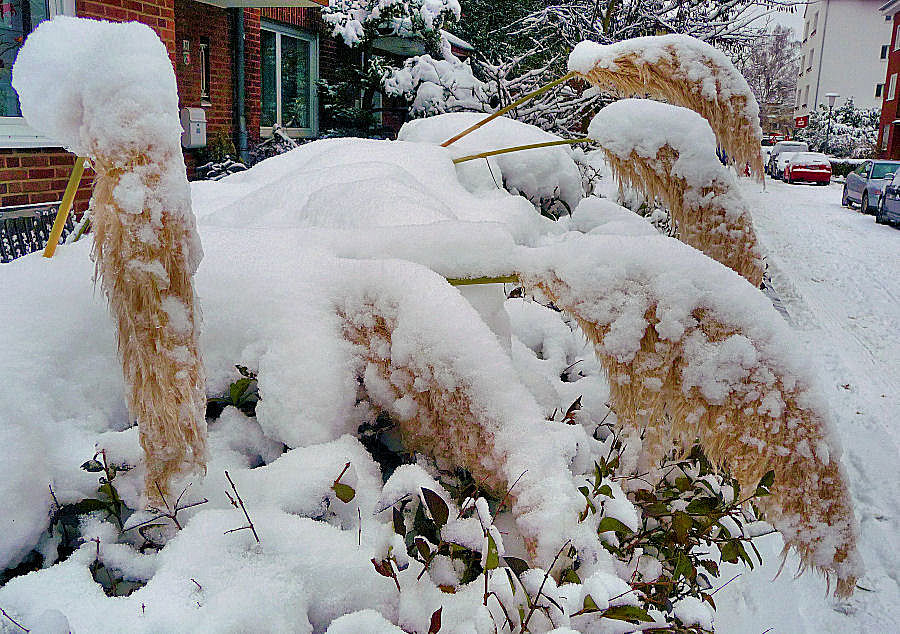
(838, 275)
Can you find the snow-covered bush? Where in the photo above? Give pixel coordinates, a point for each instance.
(363, 24)
(853, 131)
(386, 452)
(358, 20)
(435, 86)
(541, 175)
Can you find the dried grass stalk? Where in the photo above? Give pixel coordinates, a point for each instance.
(711, 215)
(450, 425)
(145, 258)
(764, 424)
(688, 73)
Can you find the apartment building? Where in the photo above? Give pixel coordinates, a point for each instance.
(845, 49)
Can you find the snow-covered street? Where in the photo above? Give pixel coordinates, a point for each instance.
(838, 275)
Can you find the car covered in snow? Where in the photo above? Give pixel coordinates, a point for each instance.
(778, 149)
(807, 166)
(781, 163)
(865, 184)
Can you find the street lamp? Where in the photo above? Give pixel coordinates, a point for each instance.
(831, 96)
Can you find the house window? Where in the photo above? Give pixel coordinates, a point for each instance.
(203, 52)
(18, 18)
(815, 23)
(289, 72)
(892, 88)
(879, 89)
(897, 39)
(884, 51)
(806, 96)
(812, 54)
(885, 136)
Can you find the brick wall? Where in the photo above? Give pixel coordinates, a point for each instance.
(158, 14)
(192, 22)
(252, 85)
(38, 176)
(889, 108)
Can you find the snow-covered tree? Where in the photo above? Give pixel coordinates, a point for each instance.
(853, 131)
(520, 43)
(770, 64)
(360, 24)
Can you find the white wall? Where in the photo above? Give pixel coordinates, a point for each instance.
(846, 48)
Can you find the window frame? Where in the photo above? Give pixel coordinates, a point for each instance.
(879, 90)
(892, 88)
(281, 30)
(14, 132)
(203, 49)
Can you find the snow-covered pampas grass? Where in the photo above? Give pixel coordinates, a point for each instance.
(426, 357)
(693, 352)
(684, 71)
(669, 152)
(123, 116)
(142, 256)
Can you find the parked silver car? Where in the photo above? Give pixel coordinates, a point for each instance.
(865, 184)
(888, 212)
(778, 148)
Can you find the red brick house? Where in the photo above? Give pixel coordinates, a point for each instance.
(889, 129)
(284, 48)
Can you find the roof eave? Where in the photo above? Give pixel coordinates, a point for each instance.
(261, 4)
(889, 8)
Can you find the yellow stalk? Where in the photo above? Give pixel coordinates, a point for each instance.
(510, 107)
(462, 281)
(519, 148)
(64, 207)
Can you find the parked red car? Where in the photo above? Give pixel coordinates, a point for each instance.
(808, 166)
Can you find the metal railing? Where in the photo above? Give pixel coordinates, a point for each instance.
(26, 228)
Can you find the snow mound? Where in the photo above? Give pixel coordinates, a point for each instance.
(359, 198)
(536, 174)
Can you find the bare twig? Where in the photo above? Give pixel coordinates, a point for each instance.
(537, 598)
(724, 584)
(505, 497)
(242, 507)
(199, 587)
(14, 622)
(170, 513)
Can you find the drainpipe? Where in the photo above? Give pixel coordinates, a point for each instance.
(240, 114)
(821, 56)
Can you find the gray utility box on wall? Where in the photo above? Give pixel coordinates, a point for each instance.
(193, 124)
